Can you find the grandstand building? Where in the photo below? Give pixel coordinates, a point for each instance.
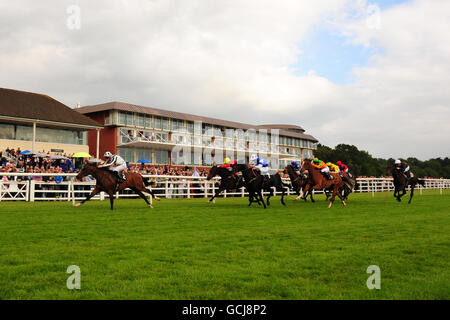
(174, 138)
(37, 122)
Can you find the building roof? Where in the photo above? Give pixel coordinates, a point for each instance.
(283, 129)
(22, 105)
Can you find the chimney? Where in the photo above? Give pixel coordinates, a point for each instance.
(78, 105)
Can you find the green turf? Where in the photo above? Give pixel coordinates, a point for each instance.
(188, 249)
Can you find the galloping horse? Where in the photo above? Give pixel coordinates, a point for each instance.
(350, 183)
(317, 181)
(253, 182)
(401, 183)
(105, 182)
(298, 181)
(227, 182)
(274, 181)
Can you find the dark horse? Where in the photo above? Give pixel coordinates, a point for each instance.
(298, 181)
(253, 175)
(107, 183)
(227, 182)
(316, 180)
(401, 183)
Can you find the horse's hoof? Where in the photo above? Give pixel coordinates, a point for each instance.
(329, 206)
(343, 202)
(77, 204)
(150, 206)
(157, 199)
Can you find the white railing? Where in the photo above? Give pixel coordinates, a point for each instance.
(32, 188)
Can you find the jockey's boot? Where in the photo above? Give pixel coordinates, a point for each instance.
(122, 177)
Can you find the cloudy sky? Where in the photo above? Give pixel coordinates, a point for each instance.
(374, 74)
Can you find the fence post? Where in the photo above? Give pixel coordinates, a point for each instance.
(32, 188)
(188, 184)
(205, 188)
(1, 189)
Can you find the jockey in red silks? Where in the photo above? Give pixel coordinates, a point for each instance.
(342, 166)
(228, 163)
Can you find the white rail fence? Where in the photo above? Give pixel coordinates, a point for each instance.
(34, 187)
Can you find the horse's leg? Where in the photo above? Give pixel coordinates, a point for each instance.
(152, 193)
(303, 192)
(93, 193)
(311, 196)
(143, 196)
(335, 192)
(412, 193)
(282, 189)
(213, 199)
(268, 197)
(262, 198)
(111, 199)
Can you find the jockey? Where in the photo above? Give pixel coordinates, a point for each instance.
(342, 166)
(263, 167)
(228, 163)
(333, 168)
(260, 164)
(319, 164)
(296, 166)
(403, 167)
(117, 165)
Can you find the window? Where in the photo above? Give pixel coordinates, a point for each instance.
(190, 127)
(126, 118)
(148, 122)
(165, 124)
(161, 157)
(144, 154)
(7, 131)
(24, 133)
(126, 154)
(158, 123)
(140, 119)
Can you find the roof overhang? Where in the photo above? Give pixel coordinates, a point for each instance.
(64, 125)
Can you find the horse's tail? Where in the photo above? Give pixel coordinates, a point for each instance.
(148, 182)
(421, 182)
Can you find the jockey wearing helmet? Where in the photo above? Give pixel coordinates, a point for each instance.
(342, 166)
(319, 164)
(403, 167)
(260, 164)
(117, 165)
(296, 166)
(228, 163)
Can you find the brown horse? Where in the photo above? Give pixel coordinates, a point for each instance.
(298, 181)
(401, 183)
(317, 181)
(106, 183)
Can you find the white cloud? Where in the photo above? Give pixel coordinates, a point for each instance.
(231, 59)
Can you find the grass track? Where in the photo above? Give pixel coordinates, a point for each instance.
(188, 249)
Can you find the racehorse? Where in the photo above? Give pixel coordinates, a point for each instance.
(317, 181)
(107, 183)
(298, 181)
(274, 181)
(401, 183)
(350, 183)
(227, 182)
